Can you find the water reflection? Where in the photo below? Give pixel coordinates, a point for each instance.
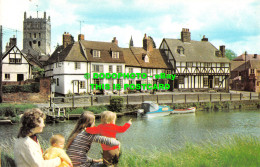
(165, 132)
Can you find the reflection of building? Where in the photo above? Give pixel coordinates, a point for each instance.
(197, 64)
(37, 37)
(15, 66)
(245, 73)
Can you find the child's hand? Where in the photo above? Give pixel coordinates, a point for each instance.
(130, 122)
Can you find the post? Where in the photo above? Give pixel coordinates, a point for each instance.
(250, 95)
(172, 98)
(142, 98)
(198, 97)
(1, 38)
(185, 98)
(92, 99)
(157, 99)
(240, 96)
(210, 98)
(230, 97)
(220, 97)
(127, 99)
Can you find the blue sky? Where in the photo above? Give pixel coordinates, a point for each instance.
(234, 23)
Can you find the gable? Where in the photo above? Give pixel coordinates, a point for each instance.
(14, 56)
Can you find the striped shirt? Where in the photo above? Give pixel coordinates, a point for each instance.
(80, 146)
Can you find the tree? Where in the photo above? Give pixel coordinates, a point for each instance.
(230, 54)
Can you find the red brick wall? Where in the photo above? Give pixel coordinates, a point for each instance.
(41, 97)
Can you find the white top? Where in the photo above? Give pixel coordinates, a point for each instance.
(28, 153)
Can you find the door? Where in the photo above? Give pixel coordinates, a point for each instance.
(75, 86)
(210, 81)
(19, 77)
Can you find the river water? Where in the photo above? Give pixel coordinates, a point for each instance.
(166, 132)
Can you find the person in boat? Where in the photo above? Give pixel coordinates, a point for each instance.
(109, 129)
(27, 149)
(80, 141)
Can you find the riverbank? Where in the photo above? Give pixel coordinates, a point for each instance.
(228, 151)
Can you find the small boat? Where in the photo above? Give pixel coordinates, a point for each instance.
(4, 122)
(184, 111)
(151, 109)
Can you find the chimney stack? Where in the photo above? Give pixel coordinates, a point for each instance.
(67, 39)
(12, 42)
(204, 39)
(115, 41)
(81, 37)
(147, 43)
(185, 35)
(222, 50)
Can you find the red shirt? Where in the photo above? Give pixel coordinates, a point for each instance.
(108, 130)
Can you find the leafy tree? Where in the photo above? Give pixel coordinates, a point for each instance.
(230, 54)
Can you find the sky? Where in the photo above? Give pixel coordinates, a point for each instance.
(233, 23)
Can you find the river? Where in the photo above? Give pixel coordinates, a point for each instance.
(165, 132)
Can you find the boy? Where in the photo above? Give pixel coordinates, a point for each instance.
(109, 129)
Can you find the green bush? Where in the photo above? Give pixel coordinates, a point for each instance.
(32, 88)
(116, 104)
(97, 109)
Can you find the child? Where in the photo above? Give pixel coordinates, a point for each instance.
(109, 129)
(56, 150)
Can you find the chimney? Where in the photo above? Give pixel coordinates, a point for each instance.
(67, 39)
(115, 41)
(24, 15)
(147, 43)
(255, 56)
(81, 37)
(44, 15)
(204, 39)
(12, 42)
(185, 35)
(222, 50)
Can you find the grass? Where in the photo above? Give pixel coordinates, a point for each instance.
(94, 109)
(229, 151)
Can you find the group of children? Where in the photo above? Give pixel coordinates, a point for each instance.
(107, 128)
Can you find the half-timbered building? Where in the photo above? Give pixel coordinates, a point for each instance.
(15, 66)
(197, 64)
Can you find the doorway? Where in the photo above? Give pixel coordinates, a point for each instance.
(20, 77)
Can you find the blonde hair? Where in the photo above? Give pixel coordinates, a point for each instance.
(56, 139)
(108, 117)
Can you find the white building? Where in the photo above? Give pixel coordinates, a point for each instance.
(197, 64)
(15, 66)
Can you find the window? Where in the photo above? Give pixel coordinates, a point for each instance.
(110, 69)
(34, 35)
(39, 35)
(119, 69)
(216, 81)
(30, 35)
(115, 55)
(145, 58)
(180, 50)
(131, 70)
(82, 85)
(252, 71)
(207, 64)
(39, 43)
(120, 81)
(58, 82)
(189, 64)
(15, 60)
(30, 43)
(205, 81)
(97, 68)
(96, 53)
(222, 64)
(77, 65)
(7, 76)
(181, 79)
(98, 81)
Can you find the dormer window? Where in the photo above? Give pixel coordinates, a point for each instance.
(115, 55)
(96, 53)
(145, 58)
(180, 50)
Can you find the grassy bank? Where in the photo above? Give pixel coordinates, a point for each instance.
(233, 151)
(228, 151)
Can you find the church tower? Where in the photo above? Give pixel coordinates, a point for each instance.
(37, 35)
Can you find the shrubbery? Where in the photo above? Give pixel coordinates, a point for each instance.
(116, 104)
(32, 88)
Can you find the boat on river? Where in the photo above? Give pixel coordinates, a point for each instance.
(152, 109)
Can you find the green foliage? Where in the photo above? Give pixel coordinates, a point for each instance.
(229, 151)
(7, 160)
(116, 104)
(97, 109)
(39, 72)
(31, 88)
(12, 110)
(230, 54)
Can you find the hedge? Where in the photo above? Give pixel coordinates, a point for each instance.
(32, 88)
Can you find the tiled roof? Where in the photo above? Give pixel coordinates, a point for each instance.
(194, 51)
(248, 57)
(82, 51)
(130, 59)
(156, 58)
